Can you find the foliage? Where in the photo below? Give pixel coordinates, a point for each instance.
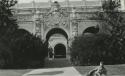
(100, 47)
(6, 56)
(7, 22)
(17, 46)
(7, 26)
(90, 50)
(27, 47)
(114, 18)
(93, 48)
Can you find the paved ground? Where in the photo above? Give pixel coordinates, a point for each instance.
(56, 67)
(57, 63)
(66, 71)
(16, 72)
(59, 67)
(62, 68)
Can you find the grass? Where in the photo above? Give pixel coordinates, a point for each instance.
(112, 69)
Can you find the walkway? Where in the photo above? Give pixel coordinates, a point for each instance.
(66, 71)
(57, 63)
(56, 67)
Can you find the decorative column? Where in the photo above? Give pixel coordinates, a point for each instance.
(74, 28)
(37, 24)
(74, 23)
(70, 26)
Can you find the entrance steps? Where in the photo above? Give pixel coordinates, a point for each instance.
(57, 63)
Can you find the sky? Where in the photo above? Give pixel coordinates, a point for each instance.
(27, 1)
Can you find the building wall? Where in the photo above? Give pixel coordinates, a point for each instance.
(73, 21)
(81, 21)
(85, 24)
(76, 18)
(29, 26)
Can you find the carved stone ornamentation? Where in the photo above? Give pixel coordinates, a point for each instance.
(56, 17)
(74, 28)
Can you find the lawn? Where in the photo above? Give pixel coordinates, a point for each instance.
(117, 70)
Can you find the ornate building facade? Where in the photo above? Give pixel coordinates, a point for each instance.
(58, 22)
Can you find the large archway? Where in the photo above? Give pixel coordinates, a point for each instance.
(60, 51)
(58, 41)
(56, 31)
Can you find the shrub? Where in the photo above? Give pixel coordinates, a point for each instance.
(17, 46)
(6, 56)
(27, 48)
(91, 49)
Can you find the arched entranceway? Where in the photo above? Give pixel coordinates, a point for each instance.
(56, 31)
(58, 41)
(60, 51)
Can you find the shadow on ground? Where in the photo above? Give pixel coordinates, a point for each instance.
(57, 63)
(49, 73)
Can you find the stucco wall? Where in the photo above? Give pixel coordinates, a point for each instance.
(84, 24)
(29, 26)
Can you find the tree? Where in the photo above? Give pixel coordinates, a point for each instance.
(105, 47)
(91, 49)
(113, 17)
(7, 26)
(27, 48)
(7, 22)
(17, 45)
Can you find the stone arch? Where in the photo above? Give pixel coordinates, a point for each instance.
(92, 29)
(60, 50)
(53, 41)
(56, 31)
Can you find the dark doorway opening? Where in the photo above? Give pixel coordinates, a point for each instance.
(60, 51)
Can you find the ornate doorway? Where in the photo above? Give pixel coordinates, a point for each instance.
(57, 39)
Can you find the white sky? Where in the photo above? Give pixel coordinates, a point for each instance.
(27, 1)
